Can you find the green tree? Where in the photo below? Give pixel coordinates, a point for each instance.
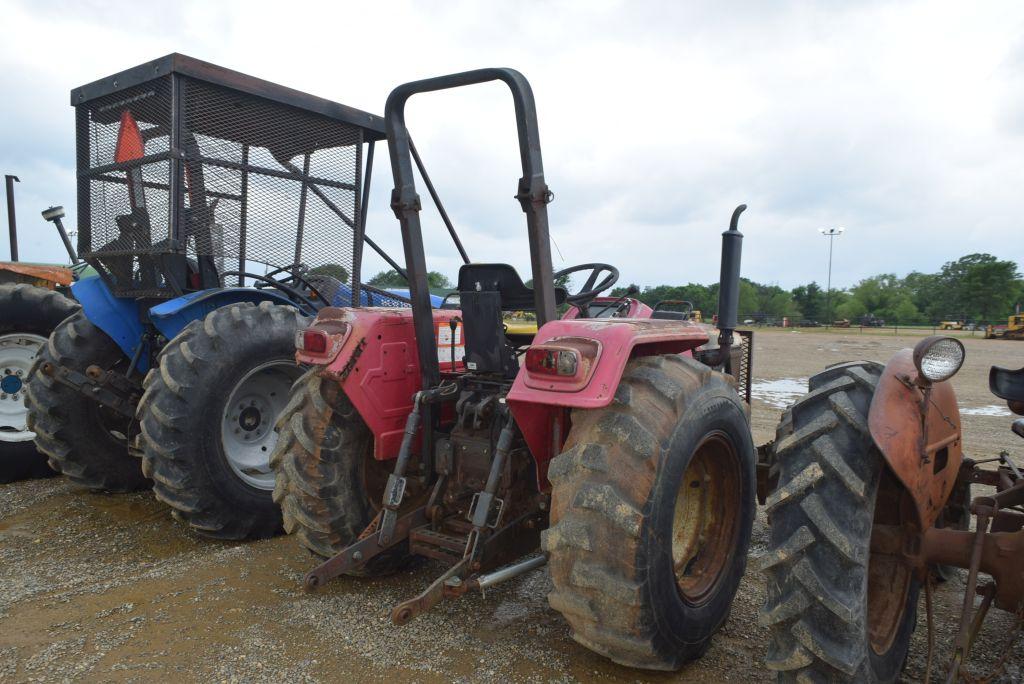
(978, 287)
(810, 299)
(852, 309)
(929, 296)
(905, 312)
(883, 296)
(981, 286)
(775, 302)
(392, 278)
(438, 281)
(336, 271)
(748, 301)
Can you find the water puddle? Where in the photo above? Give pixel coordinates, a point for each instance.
(782, 392)
(779, 393)
(991, 410)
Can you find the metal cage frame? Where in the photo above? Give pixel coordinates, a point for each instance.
(180, 73)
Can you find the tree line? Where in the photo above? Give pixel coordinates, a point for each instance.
(976, 288)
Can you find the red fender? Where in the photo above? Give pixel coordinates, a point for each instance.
(541, 403)
(918, 432)
(372, 354)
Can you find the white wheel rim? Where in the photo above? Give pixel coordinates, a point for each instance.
(18, 352)
(248, 434)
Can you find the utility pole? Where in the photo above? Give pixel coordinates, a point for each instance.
(831, 234)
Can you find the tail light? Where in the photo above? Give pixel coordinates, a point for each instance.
(552, 361)
(311, 341)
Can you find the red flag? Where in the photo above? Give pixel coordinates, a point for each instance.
(129, 140)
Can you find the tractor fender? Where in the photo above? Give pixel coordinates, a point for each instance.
(918, 431)
(372, 354)
(118, 317)
(40, 275)
(171, 317)
(540, 403)
(606, 345)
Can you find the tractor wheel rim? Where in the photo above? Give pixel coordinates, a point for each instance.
(248, 431)
(889, 577)
(705, 521)
(18, 352)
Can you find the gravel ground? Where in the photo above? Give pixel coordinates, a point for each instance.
(110, 588)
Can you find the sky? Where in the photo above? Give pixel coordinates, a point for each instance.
(902, 122)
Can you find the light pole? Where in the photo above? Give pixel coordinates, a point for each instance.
(831, 234)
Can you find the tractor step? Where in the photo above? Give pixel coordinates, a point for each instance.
(437, 544)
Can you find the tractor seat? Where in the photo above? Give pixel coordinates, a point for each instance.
(485, 290)
(503, 279)
(671, 315)
(1007, 384)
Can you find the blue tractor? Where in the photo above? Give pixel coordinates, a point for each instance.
(221, 212)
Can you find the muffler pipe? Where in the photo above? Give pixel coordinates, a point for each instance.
(55, 215)
(12, 220)
(729, 285)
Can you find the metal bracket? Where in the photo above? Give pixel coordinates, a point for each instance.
(528, 197)
(394, 491)
(401, 207)
(480, 510)
(104, 387)
(368, 546)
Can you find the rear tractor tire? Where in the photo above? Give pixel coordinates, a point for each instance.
(83, 439)
(208, 418)
(652, 509)
(329, 485)
(28, 314)
(834, 612)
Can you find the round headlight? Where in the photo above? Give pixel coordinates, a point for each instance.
(938, 358)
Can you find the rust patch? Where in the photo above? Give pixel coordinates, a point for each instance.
(46, 276)
(918, 432)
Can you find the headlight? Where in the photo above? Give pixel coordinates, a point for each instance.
(938, 358)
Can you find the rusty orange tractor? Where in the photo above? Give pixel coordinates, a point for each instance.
(873, 495)
(34, 299)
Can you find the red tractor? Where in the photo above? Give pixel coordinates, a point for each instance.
(617, 446)
(871, 502)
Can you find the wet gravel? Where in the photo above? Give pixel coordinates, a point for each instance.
(111, 588)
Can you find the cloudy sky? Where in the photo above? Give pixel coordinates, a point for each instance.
(901, 121)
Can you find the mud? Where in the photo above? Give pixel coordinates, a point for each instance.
(111, 588)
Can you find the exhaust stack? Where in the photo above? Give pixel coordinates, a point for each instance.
(56, 215)
(729, 280)
(12, 220)
(729, 285)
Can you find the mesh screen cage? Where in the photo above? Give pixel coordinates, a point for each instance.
(188, 171)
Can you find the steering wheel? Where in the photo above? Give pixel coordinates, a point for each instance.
(590, 290)
(301, 301)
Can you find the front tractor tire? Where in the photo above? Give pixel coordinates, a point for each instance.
(83, 439)
(28, 314)
(329, 485)
(834, 612)
(652, 509)
(208, 415)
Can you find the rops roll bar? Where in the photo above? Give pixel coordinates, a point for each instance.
(532, 193)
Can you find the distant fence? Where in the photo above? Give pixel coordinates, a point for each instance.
(887, 329)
